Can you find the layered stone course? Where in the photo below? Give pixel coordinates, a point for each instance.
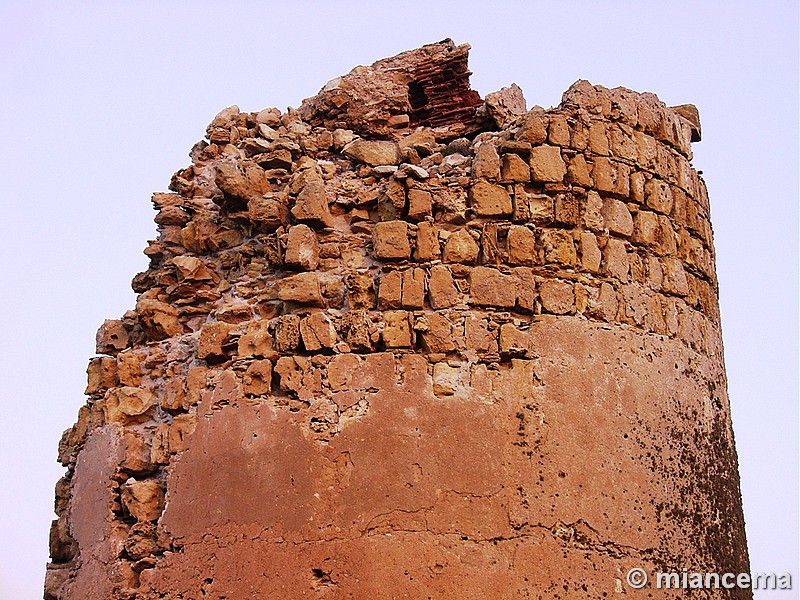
(396, 235)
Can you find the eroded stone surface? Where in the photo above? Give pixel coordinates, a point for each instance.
(405, 343)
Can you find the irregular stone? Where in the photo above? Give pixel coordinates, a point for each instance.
(513, 342)
(617, 217)
(521, 246)
(269, 212)
(257, 379)
(486, 164)
(557, 297)
(547, 166)
(374, 152)
(658, 196)
(256, 340)
(158, 319)
(241, 180)
(427, 246)
(390, 240)
(396, 329)
(318, 332)
(515, 169)
(558, 247)
(413, 296)
(534, 126)
(213, 337)
(590, 253)
(490, 287)
(101, 374)
(360, 291)
(489, 200)
(420, 203)
(442, 291)
(112, 337)
(302, 248)
(128, 404)
(143, 500)
(312, 206)
(506, 106)
(287, 333)
(438, 334)
(303, 288)
(390, 290)
(615, 259)
(461, 247)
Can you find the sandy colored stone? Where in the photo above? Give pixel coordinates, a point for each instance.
(521, 246)
(397, 329)
(461, 247)
(302, 248)
(557, 297)
(427, 242)
(374, 152)
(442, 292)
(390, 240)
(489, 200)
(547, 164)
(515, 169)
(486, 164)
(303, 288)
(490, 287)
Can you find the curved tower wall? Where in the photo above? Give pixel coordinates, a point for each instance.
(405, 342)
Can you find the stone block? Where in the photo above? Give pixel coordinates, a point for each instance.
(490, 287)
(213, 337)
(390, 240)
(374, 152)
(521, 246)
(489, 200)
(547, 166)
(438, 334)
(486, 164)
(461, 247)
(420, 204)
(317, 332)
(396, 329)
(257, 380)
(143, 500)
(442, 292)
(557, 297)
(515, 169)
(112, 337)
(287, 333)
(615, 259)
(302, 248)
(302, 288)
(558, 247)
(617, 217)
(590, 252)
(427, 242)
(390, 290)
(413, 294)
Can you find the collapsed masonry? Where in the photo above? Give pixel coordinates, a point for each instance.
(405, 342)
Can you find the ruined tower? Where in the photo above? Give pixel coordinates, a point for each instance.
(405, 342)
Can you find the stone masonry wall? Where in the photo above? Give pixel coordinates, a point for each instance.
(405, 342)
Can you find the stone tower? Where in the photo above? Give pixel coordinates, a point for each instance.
(405, 342)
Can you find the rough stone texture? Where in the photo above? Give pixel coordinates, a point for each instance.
(401, 343)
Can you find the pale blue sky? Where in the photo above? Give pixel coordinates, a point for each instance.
(101, 105)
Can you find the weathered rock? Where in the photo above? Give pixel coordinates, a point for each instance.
(489, 200)
(303, 288)
(374, 152)
(302, 248)
(390, 240)
(547, 164)
(507, 106)
(460, 247)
